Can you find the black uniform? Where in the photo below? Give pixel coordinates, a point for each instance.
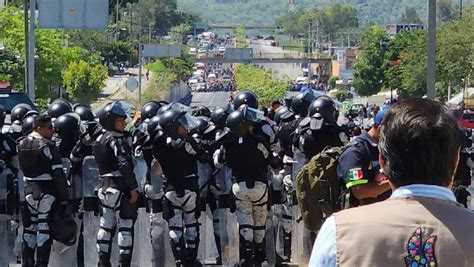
(312, 142)
(45, 183)
(178, 160)
(113, 153)
(249, 157)
(9, 167)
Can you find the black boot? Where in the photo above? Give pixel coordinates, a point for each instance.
(246, 252)
(28, 255)
(104, 260)
(42, 254)
(191, 257)
(260, 252)
(287, 246)
(179, 252)
(217, 238)
(125, 260)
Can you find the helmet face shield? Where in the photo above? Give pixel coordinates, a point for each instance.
(317, 122)
(253, 115)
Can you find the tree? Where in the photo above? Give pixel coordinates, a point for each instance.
(410, 16)
(445, 10)
(84, 82)
(370, 67)
(260, 82)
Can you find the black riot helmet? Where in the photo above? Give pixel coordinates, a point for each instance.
(84, 112)
(246, 98)
(172, 119)
(238, 124)
(283, 114)
(323, 107)
(27, 125)
(30, 113)
(3, 114)
(59, 107)
(67, 126)
(150, 109)
(153, 126)
(219, 117)
(301, 102)
(201, 111)
(18, 112)
(203, 126)
(110, 113)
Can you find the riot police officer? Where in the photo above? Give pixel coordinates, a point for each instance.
(320, 130)
(66, 133)
(45, 184)
(178, 155)
(16, 116)
(118, 189)
(248, 154)
(59, 107)
(9, 166)
(283, 182)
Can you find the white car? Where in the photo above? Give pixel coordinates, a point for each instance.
(193, 51)
(211, 76)
(202, 51)
(222, 49)
(301, 80)
(193, 81)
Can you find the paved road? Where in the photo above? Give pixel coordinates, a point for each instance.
(211, 100)
(290, 70)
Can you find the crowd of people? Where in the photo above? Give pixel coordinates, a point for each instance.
(240, 160)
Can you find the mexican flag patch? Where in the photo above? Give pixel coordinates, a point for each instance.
(356, 174)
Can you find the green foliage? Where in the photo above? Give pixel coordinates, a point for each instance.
(330, 22)
(404, 63)
(369, 77)
(410, 16)
(260, 82)
(268, 11)
(332, 81)
(341, 95)
(240, 37)
(84, 82)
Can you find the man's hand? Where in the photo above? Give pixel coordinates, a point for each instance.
(133, 196)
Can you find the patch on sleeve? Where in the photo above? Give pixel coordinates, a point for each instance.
(421, 254)
(47, 152)
(356, 174)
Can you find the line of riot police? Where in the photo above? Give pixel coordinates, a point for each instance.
(193, 183)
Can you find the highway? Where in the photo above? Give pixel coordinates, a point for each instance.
(281, 69)
(211, 99)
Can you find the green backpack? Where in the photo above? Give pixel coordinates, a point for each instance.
(319, 191)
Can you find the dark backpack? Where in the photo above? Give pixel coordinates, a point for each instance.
(319, 191)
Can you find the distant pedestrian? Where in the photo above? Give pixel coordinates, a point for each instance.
(147, 75)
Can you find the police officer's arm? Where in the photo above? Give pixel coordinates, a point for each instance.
(354, 170)
(57, 173)
(125, 165)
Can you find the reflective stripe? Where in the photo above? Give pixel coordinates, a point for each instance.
(57, 166)
(42, 177)
(112, 174)
(358, 182)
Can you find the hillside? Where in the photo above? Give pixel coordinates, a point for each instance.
(267, 11)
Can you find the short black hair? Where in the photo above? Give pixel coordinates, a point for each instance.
(42, 120)
(419, 141)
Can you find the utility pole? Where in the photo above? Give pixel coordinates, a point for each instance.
(25, 22)
(431, 50)
(460, 9)
(139, 71)
(309, 37)
(31, 52)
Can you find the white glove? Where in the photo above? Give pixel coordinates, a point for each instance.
(288, 183)
(216, 156)
(264, 150)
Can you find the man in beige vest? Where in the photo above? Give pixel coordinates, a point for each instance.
(421, 224)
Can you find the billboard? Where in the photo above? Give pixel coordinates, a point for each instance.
(73, 14)
(393, 29)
